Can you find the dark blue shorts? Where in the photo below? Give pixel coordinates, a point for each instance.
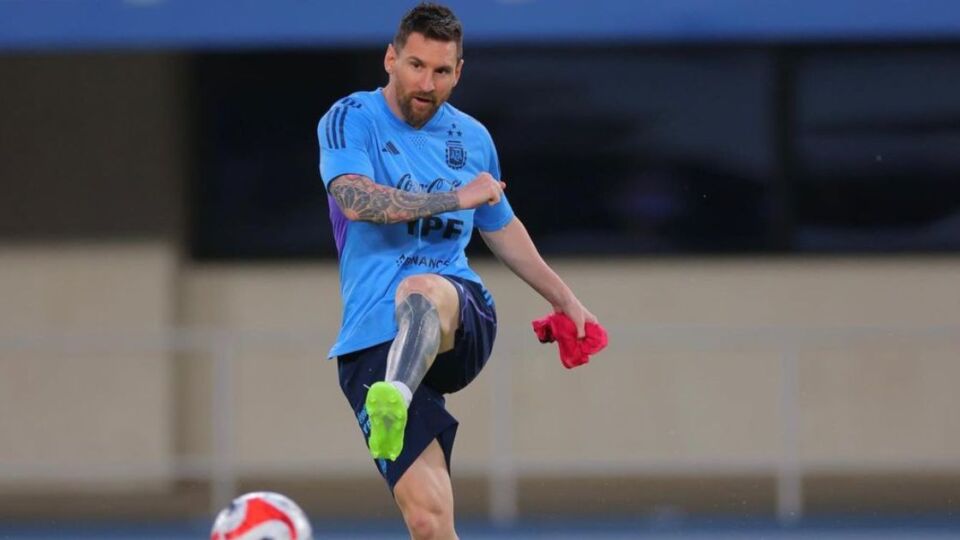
(427, 418)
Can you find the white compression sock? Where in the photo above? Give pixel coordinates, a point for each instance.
(404, 391)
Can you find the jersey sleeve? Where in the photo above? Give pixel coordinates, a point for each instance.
(489, 218)
(343, 134)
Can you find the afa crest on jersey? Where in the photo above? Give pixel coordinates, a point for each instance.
(456, 155)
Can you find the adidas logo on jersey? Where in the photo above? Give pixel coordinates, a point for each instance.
(390, 148)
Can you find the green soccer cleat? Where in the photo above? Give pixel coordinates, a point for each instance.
(388, 418)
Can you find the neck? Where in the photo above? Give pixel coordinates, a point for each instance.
(390, 94)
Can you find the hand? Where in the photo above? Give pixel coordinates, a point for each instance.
(482, 189)
(571, 307)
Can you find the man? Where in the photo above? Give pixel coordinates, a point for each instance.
(408, 177)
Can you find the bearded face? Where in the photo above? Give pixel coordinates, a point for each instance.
(422, 76)
(419, 107)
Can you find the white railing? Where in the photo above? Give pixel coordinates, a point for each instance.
(503, 469)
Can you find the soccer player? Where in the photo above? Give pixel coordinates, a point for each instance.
(408, 177)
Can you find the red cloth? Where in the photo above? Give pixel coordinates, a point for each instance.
(573, 352)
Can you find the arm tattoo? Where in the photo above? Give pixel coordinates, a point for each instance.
(360, 198)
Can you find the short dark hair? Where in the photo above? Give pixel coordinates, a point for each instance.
(434, 21)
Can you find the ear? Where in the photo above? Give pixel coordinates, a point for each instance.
(456, 72)
(390, 59)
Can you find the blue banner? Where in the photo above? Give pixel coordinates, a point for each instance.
(98, 24)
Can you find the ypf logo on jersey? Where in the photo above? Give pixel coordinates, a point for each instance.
(456, 155)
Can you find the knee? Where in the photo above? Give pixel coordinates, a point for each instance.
(425, 284)
(427, 522)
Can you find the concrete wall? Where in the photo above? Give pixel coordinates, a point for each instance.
(660, 400)
(79, 408)
(881, 400)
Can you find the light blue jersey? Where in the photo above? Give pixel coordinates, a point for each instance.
(361, 135)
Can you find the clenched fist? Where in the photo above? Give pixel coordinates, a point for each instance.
(482, 189)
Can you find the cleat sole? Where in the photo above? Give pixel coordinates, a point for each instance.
(388, 418)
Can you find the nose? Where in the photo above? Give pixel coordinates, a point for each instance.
(426, 84)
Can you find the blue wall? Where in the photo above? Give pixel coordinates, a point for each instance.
(93, 24)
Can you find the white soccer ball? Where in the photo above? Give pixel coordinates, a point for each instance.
(261, 515)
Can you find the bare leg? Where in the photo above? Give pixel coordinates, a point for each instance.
(425, 496)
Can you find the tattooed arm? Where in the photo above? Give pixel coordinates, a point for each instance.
(362, 199)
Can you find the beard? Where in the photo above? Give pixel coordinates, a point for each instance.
(417, 114)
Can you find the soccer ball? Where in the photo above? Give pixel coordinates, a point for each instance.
(261, 515)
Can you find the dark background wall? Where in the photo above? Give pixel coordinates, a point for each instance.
(93, 145)
(624, 149)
